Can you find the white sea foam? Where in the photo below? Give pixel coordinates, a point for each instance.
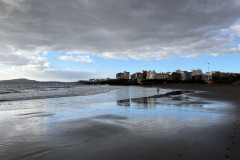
(15, 92)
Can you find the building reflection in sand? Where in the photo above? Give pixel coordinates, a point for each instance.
(177, 99)
(145, 101)
(124, 102)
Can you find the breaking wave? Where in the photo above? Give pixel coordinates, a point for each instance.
(15, 92)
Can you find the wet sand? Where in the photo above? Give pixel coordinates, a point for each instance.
(220, 92)
(169, 126)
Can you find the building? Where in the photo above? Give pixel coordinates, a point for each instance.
(151, 74)
(144, 74)
(205, 77)
(124, 75)
(162, 76)
(138, 76)
(197, 77)
(208, 76)
(186, 75)
(175, 76)
(159, 76)
(197, 72)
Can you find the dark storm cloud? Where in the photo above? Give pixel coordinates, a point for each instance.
(138, 29)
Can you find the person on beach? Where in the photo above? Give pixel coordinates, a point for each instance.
(158, 89)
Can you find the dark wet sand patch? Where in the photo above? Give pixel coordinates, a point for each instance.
(110, 117)
(90, 128)
(31, 113)
(27, 151)
(36, 114)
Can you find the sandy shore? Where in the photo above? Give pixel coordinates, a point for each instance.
(219, 92)
(222, 92)
(183, 126)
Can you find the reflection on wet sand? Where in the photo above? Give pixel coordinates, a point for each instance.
(176, 98)
(124, 102)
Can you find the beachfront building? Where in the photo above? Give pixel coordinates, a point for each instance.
(124, 75)
(138, 76)
(220, 74)
(208, 76)
(159, 76)
(144, 74)
(175, 76)
(185, 75)
(205, 77)
(162, 76)
(151, 74)
(197, 74)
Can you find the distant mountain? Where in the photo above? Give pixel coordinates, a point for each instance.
(24, 80)
(21, 80)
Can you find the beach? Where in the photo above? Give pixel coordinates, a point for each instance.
(221, 92)
(183, 121)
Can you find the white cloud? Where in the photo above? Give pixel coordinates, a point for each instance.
(236, 28)
(236, 49)
(77, 52)
(77, 58)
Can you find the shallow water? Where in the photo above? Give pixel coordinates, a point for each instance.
(107, 123)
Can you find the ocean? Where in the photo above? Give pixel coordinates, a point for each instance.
(14, 91)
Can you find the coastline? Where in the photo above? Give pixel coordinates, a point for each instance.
(220, 92)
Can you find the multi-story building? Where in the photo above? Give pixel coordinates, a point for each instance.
(162, 76)
(124, 75)
(186, 75)
(196, 72)
(208, 76)
(154, 75)
(144, 74)
(205, 77)
(197, 77)
(175, 76)
(151, 74)
(138, 76)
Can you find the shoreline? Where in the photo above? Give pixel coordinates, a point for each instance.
(219, 92)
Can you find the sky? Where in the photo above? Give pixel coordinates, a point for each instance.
(70, 40)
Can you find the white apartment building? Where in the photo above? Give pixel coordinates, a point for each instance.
(154, 75)
(197, 72)
(151, 74)
(162, 76)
